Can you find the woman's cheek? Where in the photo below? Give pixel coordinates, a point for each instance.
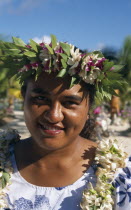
(78, 117)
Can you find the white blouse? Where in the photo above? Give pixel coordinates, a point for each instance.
(25, 196)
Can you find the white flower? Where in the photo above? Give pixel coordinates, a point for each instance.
(72, 71)
(44, 56)
(110, 157)
(24, 68)
(88, 58)
(91, 77)
(75, 58)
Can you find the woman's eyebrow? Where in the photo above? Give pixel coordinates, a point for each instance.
(40, 91)
(74, 97)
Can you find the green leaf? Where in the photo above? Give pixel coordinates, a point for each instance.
(118, 67)
(30, 54)
(12, 51)
(62, 73)
(106, 94)
(99, 53)
(49, 48)
(38, 72)
(64, 56)
(101, 77)
(113, 76)
(33, 44)
(18, 41)
(93, 207)
(107, 65)
(63, 63)
(53, 41)
(5, 179)
(73, 79)
(65, 47)
(32, 59)
(7, 45)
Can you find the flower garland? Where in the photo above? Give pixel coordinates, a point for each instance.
(63, 58)
(109, 157)
(6, 139)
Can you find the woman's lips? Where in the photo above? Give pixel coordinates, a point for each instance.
(50, 129)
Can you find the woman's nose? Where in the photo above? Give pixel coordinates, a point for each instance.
(54, 114)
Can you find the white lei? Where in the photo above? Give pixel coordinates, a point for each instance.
(109, 157)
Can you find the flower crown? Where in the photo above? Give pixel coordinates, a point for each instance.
(63, 58)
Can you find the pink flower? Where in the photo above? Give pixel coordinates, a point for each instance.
(42, 44)
(89, 65)
(112, 68)
(97, 110)
(36, 64)
(82, 55)
(60, 50)
(25, 68)
(28, 46)
(99, 63)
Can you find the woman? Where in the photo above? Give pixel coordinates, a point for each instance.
(53, 167)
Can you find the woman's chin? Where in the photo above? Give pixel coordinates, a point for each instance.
(49, 142)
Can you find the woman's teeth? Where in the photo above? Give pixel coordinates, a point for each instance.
(46, 127)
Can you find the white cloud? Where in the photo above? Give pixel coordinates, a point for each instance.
(100, 46)
(44, 38)
(24, 5)
(19, 6)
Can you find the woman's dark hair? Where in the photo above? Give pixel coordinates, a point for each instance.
(88, 130)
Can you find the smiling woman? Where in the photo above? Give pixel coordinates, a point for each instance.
(57, 167)
(59, 112)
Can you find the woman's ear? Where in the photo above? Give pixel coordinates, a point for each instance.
(88, 116)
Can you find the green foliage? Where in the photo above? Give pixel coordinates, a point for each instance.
(65, 57)
(61, 73)
(18, 41)
(125, 59)
(34, 45)
(53, 41)
(65, 47)
(108, 65)
(7, 67)
(30, 54)
(50, 49)
(16, 55)
(63, 63)
(5, 179)
(73, 80)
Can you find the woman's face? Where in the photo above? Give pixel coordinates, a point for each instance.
(55, 114)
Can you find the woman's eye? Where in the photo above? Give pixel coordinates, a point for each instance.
(39, 99)
(70, 103)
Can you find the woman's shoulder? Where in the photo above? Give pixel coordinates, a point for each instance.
(9, 136)
(89, 145)
(126, 170)
(124, 174)
(122, 184)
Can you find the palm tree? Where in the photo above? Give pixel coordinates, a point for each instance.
(6, 84)
(112, 54)
(125, 58)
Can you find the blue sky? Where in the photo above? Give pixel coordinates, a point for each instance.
(88, 24)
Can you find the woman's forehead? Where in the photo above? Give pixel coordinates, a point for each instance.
(51, 84)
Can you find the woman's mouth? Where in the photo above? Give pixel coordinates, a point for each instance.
(50, 129)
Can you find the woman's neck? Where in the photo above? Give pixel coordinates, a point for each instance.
(30, 153)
